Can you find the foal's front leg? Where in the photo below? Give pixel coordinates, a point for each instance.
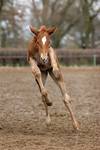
(40, 79)
(45, 97)
(56, 70)
(57, 76)
(54, 62)
(66, 97)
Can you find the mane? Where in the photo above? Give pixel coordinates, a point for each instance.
(43, 28)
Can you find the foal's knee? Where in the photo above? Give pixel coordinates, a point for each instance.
(36, 73)
(44, 92)
(57, 73)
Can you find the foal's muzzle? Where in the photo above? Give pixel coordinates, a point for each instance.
(44, 58)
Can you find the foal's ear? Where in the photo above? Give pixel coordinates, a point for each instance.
(33, 30)
(51, 30)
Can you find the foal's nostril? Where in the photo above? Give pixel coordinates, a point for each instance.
(45, 60)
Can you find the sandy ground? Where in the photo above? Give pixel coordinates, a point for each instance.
(22, 115)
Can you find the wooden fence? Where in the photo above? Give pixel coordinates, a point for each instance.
(79, 56)
(14, 56)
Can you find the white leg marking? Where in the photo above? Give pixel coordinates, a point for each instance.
(48, 120)
(67, 97)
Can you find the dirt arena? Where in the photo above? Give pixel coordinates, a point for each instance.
(22, 115)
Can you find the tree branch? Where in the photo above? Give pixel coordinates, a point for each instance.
(68, 28)
(1, 5)
(36, 12)
(95, 14)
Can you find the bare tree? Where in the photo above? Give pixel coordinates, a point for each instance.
(11, 25)
(88, 14)
(1, 5)
(58, 13)
(69, 16)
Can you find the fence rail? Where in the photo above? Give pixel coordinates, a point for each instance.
(68, 57)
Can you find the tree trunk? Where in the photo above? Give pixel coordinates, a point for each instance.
(3, 38)
(93, 38)
(56, 40)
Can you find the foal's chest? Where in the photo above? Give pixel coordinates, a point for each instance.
(43, 66)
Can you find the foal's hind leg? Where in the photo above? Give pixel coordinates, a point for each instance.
(45, 97)
(60, 83)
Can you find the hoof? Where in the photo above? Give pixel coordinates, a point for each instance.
(49, 103)
(48, 120)
(76, 126)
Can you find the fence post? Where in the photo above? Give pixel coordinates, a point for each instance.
(94, 60)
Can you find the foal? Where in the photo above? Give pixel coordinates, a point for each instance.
(43, 60)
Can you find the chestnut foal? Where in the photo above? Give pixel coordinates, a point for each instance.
(43, 60)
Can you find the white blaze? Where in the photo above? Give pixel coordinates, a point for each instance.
(44, 40)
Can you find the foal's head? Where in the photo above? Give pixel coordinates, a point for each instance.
(42, 37)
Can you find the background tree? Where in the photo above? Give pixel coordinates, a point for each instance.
(63, 14)
(11, 20)
(89, 14)
(78, 21)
